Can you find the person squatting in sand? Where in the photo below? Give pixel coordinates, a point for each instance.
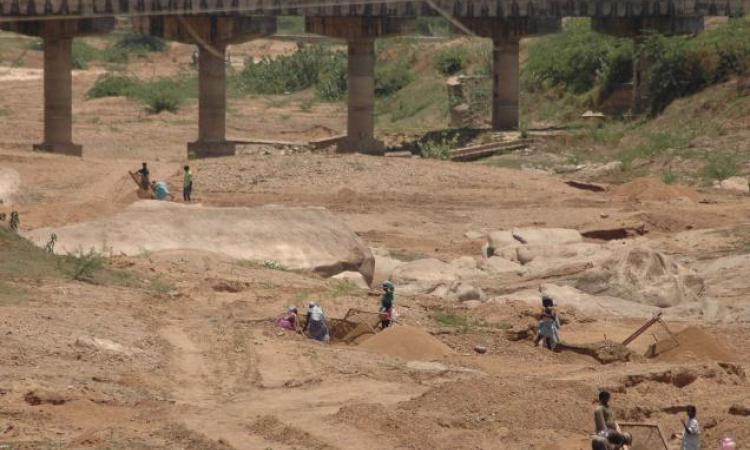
(608, 435)
(289, 320)
(549, 324)
(386, 304)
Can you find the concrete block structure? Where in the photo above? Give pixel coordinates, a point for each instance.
(214, 24)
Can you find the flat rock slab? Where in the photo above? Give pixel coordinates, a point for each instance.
(309, 239)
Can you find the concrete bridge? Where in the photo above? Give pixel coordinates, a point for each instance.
(214, 24)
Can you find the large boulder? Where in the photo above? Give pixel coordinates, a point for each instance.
(309, 239)
(736, 184)
(10, 184)
(426, 276)
(384, 265)
(643, 275)
(547, 236)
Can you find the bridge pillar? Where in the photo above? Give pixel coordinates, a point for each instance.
(211, 34)
(505, 90)
(360, 33)
(360, 123)
(57, 41)
(58, 103)
(212, 102)
(506, 35)
(635, 28)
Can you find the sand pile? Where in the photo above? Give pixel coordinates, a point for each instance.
(653, 189)
(406, 342)
(695, 343)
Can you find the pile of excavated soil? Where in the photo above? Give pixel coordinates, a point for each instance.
(406, 342)
(696, 343)
(652, 189)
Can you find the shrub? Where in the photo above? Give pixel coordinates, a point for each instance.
(162, 94)
(84, 265)
(720, 167)
(451, 60)
(577, 58)
(288, 73)
(390, 78)
(438, 148)
(82, 54)
(109, 85)
(140, 43)
(331, 83)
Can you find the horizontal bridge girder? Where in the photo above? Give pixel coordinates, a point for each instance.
(27, 9)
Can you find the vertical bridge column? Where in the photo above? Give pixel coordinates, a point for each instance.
(506, 35)
(360, 125)
(212, 95)
(58, 99)
(360, 33)
(505, 85)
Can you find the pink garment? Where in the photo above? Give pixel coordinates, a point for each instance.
(287, 322)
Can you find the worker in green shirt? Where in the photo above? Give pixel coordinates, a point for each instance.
(187, 184)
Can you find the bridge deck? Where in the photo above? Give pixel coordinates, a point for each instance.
(30, 9)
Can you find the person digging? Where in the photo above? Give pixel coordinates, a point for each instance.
(608, 435)
(386, 305)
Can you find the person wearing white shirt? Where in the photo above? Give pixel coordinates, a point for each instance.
(691, 438)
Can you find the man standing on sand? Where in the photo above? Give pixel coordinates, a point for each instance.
(187, 184)
(691, 438)
(144, 173)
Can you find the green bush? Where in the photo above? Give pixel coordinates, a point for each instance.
(451, 60)
(109, 85)
(82, 54)
(438, 148)
(162, 94)
(390, 78)
(720, 167)
(331, 83)
(140, 43)
(288, 73)
(578, 58)
(84, 265)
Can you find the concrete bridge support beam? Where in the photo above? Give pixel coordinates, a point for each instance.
(212, 103)
(505, 115)
(57, 37)
(506, 35)
(360, 34)
(212, 34)
(58, 103)
(360, 124)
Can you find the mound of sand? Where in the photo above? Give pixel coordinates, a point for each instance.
(408, 343)
(695, 343)
(296, 238)
(649, 189)
(10, 183)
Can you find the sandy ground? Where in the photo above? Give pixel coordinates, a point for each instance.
(198, 365)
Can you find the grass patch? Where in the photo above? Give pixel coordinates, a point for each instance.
(84, 265)
(451, 60)
(343, 288)
(161, 94)
(720, 167)
(264, 264)
(439, 147)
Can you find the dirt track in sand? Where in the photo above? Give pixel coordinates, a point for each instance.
(205, 369)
